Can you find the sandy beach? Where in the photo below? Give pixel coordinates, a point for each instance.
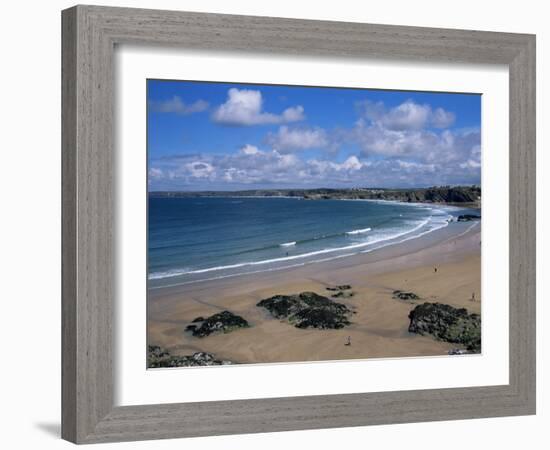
(380, 322)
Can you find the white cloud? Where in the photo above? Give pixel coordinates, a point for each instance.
(269, 168)
(200, 169)
(155, 173)
(442, 119)
(249, 150)
(248, 166)
(352, 163)
(415, 166)
(470, 164)
(177, 106)
(474, 161)
(441, 147)
(289, 139)
(245, 107)
(324, 167)
(408, 145)
(406, 116)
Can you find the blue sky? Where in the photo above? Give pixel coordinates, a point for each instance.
(229, 136)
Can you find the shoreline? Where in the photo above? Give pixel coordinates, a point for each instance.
(379, 326)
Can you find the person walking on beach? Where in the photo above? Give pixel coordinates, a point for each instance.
(473, 297)
(349, 341)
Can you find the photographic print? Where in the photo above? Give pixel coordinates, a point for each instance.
(300, 223)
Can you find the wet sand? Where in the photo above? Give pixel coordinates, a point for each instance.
(379, 325)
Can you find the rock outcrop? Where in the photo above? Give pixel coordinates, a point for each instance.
(341, 291)
(343, 294)
(402, 295)
(223, 322)
(341, 287)
(158, 357)
(447, 323)
(308, 310)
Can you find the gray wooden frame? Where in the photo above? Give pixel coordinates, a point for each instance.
(89, 36)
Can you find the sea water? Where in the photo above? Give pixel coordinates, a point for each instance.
(192, 239)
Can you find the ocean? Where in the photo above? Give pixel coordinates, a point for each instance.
(202, 238)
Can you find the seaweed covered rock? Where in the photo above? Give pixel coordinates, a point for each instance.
(154, 352)
(401, 295)
(158, 357)
(343, 294)
(308, 310)
(223, 322)
(341, 287)
(341, 291)
(447, 323)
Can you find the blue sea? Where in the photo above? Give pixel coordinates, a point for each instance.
(195, 239)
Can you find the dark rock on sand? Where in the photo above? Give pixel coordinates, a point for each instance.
(467, 217)
(343, 294)
(155, 352)
(158, 357)
(341, 287)
(341, 291)
(447, 323)
(308, 310)
(401, 295)
(223, 322)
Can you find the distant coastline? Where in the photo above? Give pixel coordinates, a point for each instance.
(466, 196)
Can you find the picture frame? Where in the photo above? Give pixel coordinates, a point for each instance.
(89, 37)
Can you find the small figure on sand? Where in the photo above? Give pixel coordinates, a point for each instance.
(473, 299)
(435, 269)
(349, 341)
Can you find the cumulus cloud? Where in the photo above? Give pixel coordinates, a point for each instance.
(375, 139)
(199, 169)
(474, 159)
(407, 145)
(155, 173)
(441, 118)
(352, 163)
(405, 158)
(252, 167)
(177, 106)
(406, 116)
(413, 131)
(290, 139)
(315, 169)
(245, 107)
(249, 150)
